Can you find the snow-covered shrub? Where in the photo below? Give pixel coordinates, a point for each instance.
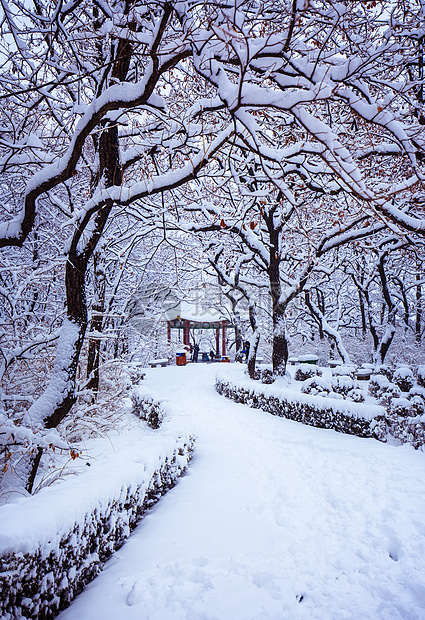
(417, 405)
(417, 390)
(345, 371)
(403, 426)
(336, 395)
(135, 374)
(375, 384)
(421, 376)
(387, 393)
(385, 370)
(147, 408)
(306, 371)
(316, 385)
(405, 419)
(347, 387)
(403, 378)
(342, 384)
(400, 407)
(267, 376)
(356, 395)
(414, 431)
(380, 428)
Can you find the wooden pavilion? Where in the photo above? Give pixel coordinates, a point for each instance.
(186, 317)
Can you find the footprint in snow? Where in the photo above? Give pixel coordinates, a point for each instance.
(136, 594)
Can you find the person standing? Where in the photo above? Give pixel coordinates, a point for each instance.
(195, 353)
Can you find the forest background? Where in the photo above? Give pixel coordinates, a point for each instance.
(268, 151)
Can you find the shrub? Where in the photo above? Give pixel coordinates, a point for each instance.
(357, 395)
(387, 393)
(147, 408)
(319, 413)
(375, 384)
(267, 376)
(417, 390)
(306, 371)
(336, 395)
(400, 407)
(403, 378)
(421, 376)
(316, 385)
(342, 384)
(385, 371)
(344, 371)
(417, 406)
(415, 431)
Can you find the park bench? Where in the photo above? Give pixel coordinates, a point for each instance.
(155, 363)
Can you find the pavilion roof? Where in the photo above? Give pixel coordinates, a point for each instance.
(194, 313)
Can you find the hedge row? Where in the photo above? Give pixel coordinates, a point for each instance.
(40, 583)
(148, 407)
(308, 410)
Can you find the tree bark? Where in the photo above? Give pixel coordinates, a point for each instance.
(96, 325)
(388, 336)
(254, 340)
(418, 317)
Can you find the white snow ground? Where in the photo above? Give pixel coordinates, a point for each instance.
(274, 520)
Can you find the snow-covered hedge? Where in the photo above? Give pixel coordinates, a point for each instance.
(52, 544)
(346, 417)
(401, 418)
(148, 406)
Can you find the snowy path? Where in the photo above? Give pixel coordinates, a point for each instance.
(274, 520)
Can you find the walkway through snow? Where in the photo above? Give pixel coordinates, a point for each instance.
(274, 520)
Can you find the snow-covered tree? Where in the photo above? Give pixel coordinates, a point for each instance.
(123, 106)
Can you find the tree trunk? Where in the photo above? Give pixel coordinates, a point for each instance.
(280, 342)
(321, 306)
(362, 312)
(418, 318)
(389, 333)
(254, 340)
(238, 336)
(96, 325)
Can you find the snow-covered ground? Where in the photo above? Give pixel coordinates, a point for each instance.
(274, 520)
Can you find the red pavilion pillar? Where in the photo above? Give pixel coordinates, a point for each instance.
(186, 333)
(223, 338)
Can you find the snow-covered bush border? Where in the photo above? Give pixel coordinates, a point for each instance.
(405, 421)
(351, 418)
(148, 406)
(45, 566)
